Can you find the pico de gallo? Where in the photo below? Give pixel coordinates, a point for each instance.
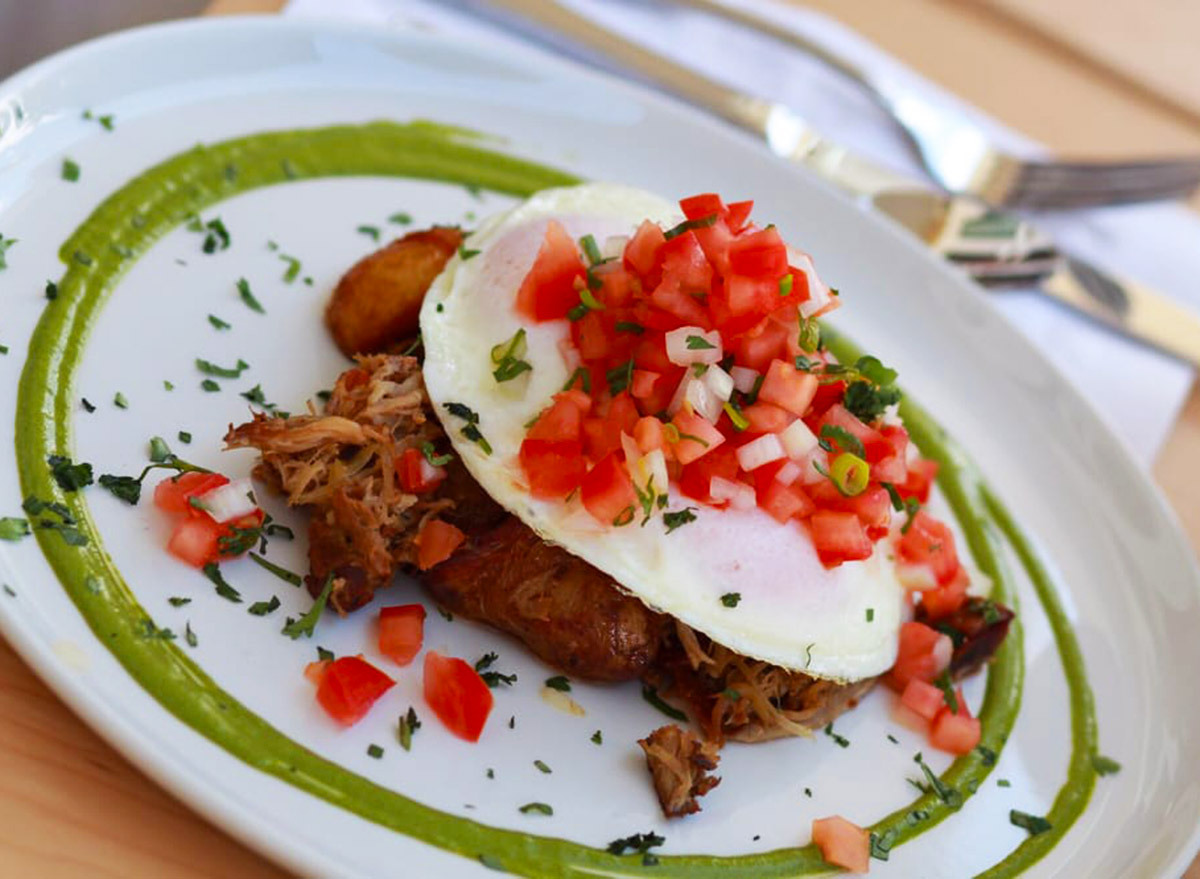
(700, 365)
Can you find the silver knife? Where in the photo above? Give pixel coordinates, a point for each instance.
(992, 247)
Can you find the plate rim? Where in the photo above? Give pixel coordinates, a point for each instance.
(188, 785)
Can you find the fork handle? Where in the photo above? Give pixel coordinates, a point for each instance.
(1127, 306)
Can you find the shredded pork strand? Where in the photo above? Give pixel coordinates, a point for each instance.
(679, 763)
(342, 465)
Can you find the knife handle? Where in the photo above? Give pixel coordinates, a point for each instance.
(1127, 306)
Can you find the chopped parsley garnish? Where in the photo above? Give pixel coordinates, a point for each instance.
(177, 601)
(581, 375)
(106, 121)
(371, 232)
(293, 268)
(209, 368)
(881, 843)
(492, 678)
(65, 524)
(216, 236)
(893, 739)
(471, 431)
(400, 218)
(87, 405)
(650, 694)
(407, 725)
(870, 614)
(987, 755)
(262, 608)
(3, 349)
(127, 488)
(620, 377)
(540, 808)
(679, 518)
(731, 599)
(218, 323)
(167, 386)
(628, 326)
(542, 767)
(82, 257)
(560, 683)
(840, 740)
(70, 170)
(810, 335)
(1035, 824)
(465, 253)
(597, 738)
(119, 401)
(184, 437)
(209, 385)
(808, 792)
(948, 795)
(867, 402)
(282, 573)
(699, 343)
(324, 655)
(213, 572)
(248, 297)
(638, 844)
(13, 528)
(5, 244)
(1003, 782)
(1105, 765)
(70, 477)
(307, 623)
(149, 631)
(51, 291)
(374, 751)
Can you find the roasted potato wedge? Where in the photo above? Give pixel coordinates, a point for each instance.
(378, 302)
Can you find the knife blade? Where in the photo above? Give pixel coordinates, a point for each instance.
(942, 221)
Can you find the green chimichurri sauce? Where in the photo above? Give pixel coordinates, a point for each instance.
(128, 223)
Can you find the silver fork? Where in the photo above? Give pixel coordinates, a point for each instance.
(957, 155)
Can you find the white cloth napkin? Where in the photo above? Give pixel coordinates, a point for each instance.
(1138, 391)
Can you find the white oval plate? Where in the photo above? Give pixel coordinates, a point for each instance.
(1127, 577)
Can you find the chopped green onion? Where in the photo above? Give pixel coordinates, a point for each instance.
(590, 250)
(689, 225)
(850, 474)
(785, 285)
(514, 347)
(740, 422)
(248, 297)
(540, 808)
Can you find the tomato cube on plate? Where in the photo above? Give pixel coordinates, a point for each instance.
(457, 695)
(436, 542)
(839, 537)
(173, 494)
(401, 632)
(955, 733)
(553, 468)
(607, 491)
(548, 291)
(349, 688)
(842, 843)
(923, 698)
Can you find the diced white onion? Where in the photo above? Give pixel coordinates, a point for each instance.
(798, 441)
(758, 452)
(654, 465)
(816, 457)
(229, 501)
(614, 246)
(818, 293)
(943, 650)
(744, 378)
(429, 473)
(572, 360)
(916, 578)
(719, 382)
(739, 495)
(680, 394)
(680, 354)
(703, 402)
(789, 473)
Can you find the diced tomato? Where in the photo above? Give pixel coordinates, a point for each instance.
(783, 502)
(607, 491)
(787, 387)
(561, 421)
(651, 354)
(436, 542)
(758, 347)
(921, 474)
(826, 396)
(924, 653)
(766, 418)
(839, 537)
(643, 383)
(401, 632)
(875, 446)
(761, 255)
(683, 305)
(616, 284)
(873, 506)
(946, 599)
(602, 434)
(697, 437)
(457, 695)
(685, 265)
(923, 698)
(350, 687)
(194, 540)
(554, 468)
(173, 493)
(930, 542)
(316, 671)
(702, 206)
(696, 477)
(590, 335)
(842, 843)
(736, 215)
(642, 251)
(549, 290)
(750, 295)
(648, 434)
(955, 733)
(416, 474)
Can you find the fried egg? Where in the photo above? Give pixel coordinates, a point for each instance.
(790, 610)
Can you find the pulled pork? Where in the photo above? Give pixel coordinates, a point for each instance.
(679, 764)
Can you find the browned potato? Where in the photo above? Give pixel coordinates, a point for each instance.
(377, 302)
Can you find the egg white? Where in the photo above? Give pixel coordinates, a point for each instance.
(792, 611)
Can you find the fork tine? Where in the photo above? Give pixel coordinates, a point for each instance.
(1038, 184)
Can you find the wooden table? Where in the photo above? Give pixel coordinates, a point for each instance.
(71, 806)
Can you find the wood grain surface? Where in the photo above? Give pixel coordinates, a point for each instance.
(70, 806)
